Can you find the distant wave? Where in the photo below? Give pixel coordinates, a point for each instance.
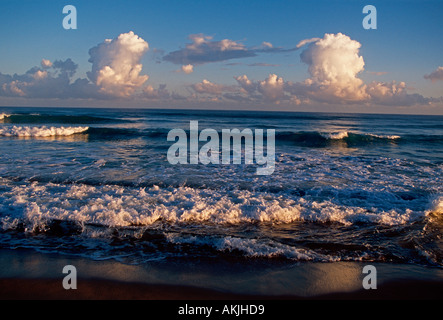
(315, 139)
(33, 118)
(320, 139)
(345, 134)
(26, 131)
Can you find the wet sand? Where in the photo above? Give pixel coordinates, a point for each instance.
(27, 275)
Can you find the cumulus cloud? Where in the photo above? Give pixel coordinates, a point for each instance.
(395, 94)
(116, 64)
(435, 75)
(334, 64)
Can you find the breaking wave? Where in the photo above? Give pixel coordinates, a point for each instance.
(27, 131)
(116, 206)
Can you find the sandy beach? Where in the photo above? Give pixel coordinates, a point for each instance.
(27, 275)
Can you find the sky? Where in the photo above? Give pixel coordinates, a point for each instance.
(243, 54)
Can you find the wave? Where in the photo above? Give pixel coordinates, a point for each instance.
(308, 138)
(43, 131)
(251, 248)
(36, 118)
(321, 139)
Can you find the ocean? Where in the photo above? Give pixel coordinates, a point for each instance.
(97, 183)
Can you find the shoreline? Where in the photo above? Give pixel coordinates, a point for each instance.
(29, 275)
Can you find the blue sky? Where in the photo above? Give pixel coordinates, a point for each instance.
(405, 47)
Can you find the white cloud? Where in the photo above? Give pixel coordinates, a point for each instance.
(116, 64)
(435, 75)
(189, 68)
(334, 66)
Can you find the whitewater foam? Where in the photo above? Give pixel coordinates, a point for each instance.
(253, 248)
(345, 134)
(3, 115)
(27, 131)
(436, 206)
(335, 135)
(116, 206)
(389, 137)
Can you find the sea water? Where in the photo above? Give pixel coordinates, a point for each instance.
(346, 187)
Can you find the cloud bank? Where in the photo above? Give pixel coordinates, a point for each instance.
(334, 65)
(51, 80)
(116, 72)
(333, 62)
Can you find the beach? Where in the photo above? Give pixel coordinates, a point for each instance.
(26, 275)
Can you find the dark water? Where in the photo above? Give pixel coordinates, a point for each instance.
(97, 183)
